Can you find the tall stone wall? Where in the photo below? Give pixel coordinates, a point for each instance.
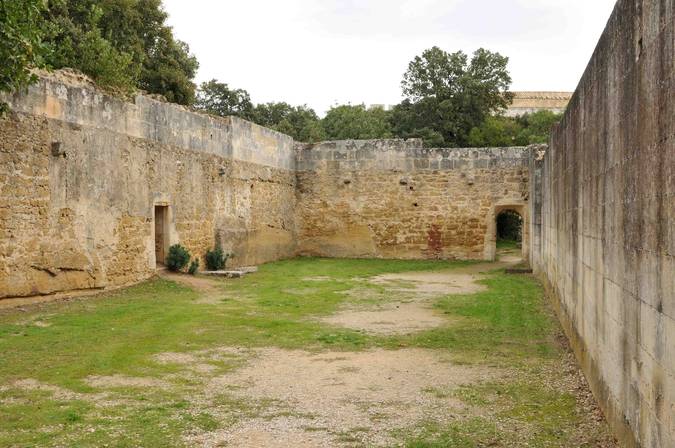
(81, 173)
(396, 199)
(604, 222)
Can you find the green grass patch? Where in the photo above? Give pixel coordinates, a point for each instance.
(505, 324)
(466, 433)
(508, 244)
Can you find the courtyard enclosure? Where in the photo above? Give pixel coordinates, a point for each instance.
(604, 222)
(96, 189)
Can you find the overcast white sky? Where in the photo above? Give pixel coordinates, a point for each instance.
(319, 52)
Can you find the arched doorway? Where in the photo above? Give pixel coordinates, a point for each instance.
(508, 228)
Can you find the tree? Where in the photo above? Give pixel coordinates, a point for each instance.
(139, 27)
(21, 45)
(447, 95)
(300, 122)
(217, 98)
(537, 126)
(124, 44)
(495, 132)
(520, 131)
(416, 120)
(170, 70)
(357, 122)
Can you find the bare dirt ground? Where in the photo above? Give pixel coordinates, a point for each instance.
(210, 290)
(338, 398)
(407, 303)
(320, 400)
(10, 304)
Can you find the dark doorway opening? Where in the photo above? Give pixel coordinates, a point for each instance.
(161, 218)
(509, 229)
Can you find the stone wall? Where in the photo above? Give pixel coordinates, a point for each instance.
(604, 222)
(395, 199)
(81, 173)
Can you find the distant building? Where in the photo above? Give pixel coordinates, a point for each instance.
(528, 102)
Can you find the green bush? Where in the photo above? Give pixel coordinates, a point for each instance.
(178, 258)
(194, 267)
(216, 259)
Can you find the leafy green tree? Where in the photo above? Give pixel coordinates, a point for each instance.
(421, 120)
(300, 122)
(124, 44)
(357, 122)
(494, 132)
(74, 36)
(21, 45)
(448, 94)
(520, 131)
(170, 70)
(537, 126)
(218, 98)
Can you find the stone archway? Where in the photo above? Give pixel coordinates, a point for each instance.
(491, 237)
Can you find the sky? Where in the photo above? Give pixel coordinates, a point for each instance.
(326, 52)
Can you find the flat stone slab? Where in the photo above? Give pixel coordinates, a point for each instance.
(227, 274)
(232, 273)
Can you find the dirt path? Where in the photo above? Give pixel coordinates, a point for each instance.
(406, 305)
(211, 290)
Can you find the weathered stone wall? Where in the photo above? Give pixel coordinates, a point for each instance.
(604, 222)
(395, 199)
(81, 173)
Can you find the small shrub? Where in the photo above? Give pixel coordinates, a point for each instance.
(178, 258)
(194, 267)
(216, 259)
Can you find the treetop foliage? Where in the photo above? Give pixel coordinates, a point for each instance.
(520, 131)
(122, 44)
(357, 122)
(448, 94)
(218, 99)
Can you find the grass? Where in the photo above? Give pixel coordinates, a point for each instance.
(505, 324)
(519, 414)
(508, 244)
(119, 333)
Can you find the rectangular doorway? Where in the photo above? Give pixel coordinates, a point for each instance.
(161, 217)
